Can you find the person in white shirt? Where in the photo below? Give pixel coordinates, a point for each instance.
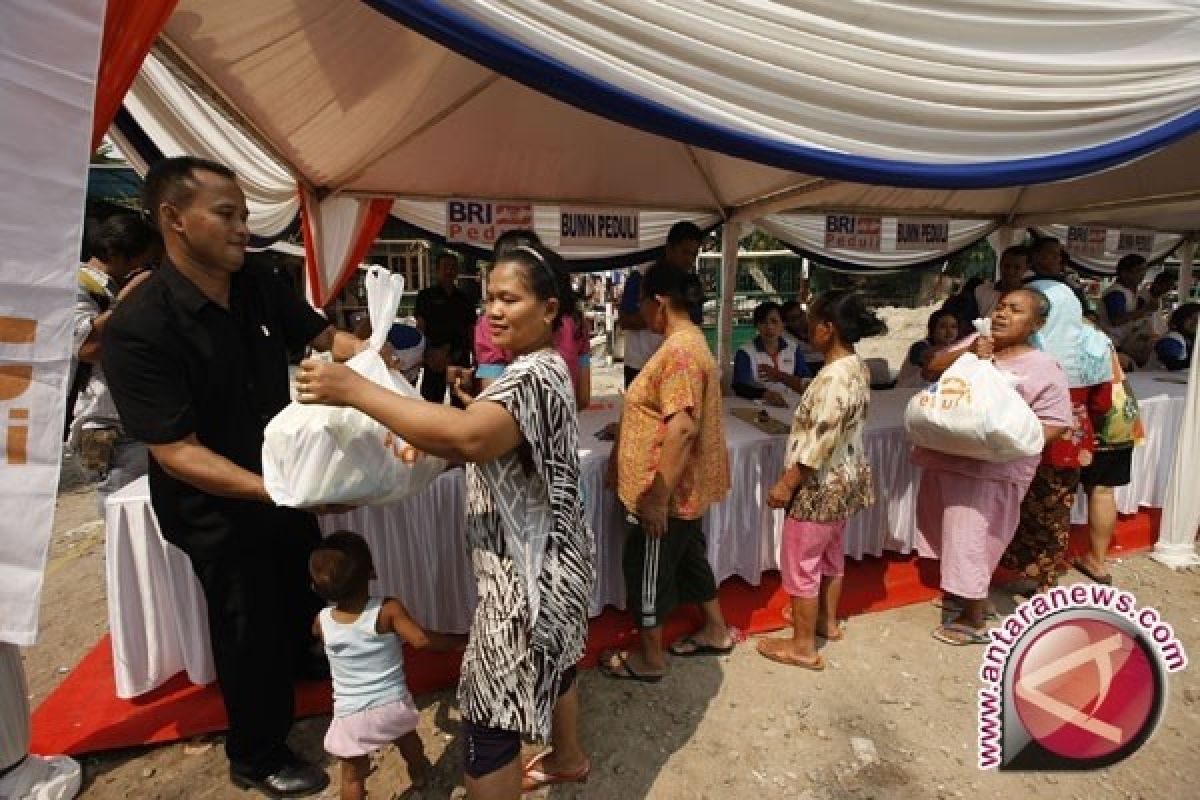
(769, 367)
(1119, 306)
(122, 248)
(1138, 344)
(681, 251)
(1014, 263)
(795, 330)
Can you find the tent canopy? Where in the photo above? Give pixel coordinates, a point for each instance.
(743, 108)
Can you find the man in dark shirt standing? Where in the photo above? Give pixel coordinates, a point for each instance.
(446, 315)
(1048, 261)
(681, 251)
(196, 360)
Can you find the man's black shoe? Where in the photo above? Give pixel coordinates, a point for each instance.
(293, 779)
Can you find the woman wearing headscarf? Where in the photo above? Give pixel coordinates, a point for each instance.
(1085, 355)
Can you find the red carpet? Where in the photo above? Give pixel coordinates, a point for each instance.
(84, 715)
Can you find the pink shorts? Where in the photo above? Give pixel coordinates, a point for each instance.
(811, 551)
(364, 732)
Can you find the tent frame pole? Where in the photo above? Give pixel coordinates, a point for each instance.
(1176, 546)
(729, 269)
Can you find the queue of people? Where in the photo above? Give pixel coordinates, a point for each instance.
(192, 360)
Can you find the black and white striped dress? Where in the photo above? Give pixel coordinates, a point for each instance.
(531, 552)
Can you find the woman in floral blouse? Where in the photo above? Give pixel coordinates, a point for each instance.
(827, 478)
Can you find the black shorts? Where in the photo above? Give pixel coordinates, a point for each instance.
(1108, 468)
(487, 749)
(663, 573)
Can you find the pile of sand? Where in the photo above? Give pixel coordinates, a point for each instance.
(905, 326)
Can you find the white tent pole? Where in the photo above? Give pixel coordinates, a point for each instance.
(1187, 257)
(730, 234)
(1000, 240)
(1176, 546)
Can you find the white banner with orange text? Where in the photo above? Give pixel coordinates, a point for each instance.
(48, 57)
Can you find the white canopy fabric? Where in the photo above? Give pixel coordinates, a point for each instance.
(998, 93)
(1106, 264)
(1180, 525)
(167, 117)
(923, 92)
(653, 227)
(180, 122)
(806, 233)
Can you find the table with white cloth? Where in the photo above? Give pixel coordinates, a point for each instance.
(157, 611)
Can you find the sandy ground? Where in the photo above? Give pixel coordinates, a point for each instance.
(905, 326)
(736, 726)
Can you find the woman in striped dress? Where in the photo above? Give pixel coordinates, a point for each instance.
(531, 552)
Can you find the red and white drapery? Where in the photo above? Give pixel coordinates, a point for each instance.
(130, 28)
(338, 231)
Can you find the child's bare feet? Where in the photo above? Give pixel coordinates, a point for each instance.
(783, 651)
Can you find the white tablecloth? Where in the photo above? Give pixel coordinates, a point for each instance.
(157, 612)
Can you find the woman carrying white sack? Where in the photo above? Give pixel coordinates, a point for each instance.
(968, 509)
(531, 552)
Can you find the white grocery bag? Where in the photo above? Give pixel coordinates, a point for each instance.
(317, 455)
(974, 411)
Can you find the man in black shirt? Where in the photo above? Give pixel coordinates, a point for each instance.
(1049, 263)
(196, 360)
(446, 315)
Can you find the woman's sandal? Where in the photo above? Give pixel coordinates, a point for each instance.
(621, 671)
(767, 651)
(786, 613)
(957, 634)
(1096, 577)
(535, 778)
(946, 603)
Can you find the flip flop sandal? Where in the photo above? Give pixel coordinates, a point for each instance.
(952, 606)
(1080, 567)
(960, 635)
(535, 778)
(816, 665)
(699, 648)
(627, 672)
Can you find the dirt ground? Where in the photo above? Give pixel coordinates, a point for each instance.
(736, 726)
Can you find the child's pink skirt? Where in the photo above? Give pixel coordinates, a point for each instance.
(364, 732)
(810, 551)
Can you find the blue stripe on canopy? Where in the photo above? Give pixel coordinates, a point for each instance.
(468, 37)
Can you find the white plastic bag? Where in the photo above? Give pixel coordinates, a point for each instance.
(317, 455)
(974, 411)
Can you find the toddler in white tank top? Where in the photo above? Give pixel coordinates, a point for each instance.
(363, 637)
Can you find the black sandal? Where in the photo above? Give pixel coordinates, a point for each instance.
(626, 672)
(1080, 567)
